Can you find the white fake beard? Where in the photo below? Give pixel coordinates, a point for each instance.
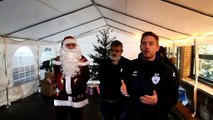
(70, 62)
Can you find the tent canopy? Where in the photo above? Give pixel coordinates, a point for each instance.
(51, 20)
(177, 22)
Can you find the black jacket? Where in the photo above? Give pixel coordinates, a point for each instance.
(153, 75)
(110, 76)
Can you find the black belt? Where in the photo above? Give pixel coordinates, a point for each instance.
(110, 100)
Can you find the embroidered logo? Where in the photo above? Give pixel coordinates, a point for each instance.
(155, 78)
(174, 75)
(121, 70)
(135, 73)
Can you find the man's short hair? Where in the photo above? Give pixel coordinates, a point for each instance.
(116, 43)
(162, 51)
(149, 33)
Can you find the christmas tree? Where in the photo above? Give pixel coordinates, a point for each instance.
(100, 50)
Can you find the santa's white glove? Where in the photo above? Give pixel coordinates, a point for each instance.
(124, 89)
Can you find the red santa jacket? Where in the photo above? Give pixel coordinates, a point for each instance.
(76, 86)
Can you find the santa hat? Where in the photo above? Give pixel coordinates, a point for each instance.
(69, 39)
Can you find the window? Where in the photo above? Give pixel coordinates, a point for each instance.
(47, 54)
(176, 54)
(205, 64)
(23, 69)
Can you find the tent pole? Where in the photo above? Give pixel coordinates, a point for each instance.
(173, 49)
(5, 65)
(38, 75)
(196, 48)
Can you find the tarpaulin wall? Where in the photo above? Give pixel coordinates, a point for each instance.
(19, 70)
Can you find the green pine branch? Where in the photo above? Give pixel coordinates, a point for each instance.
(101, 48)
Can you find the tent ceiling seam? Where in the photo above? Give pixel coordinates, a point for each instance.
(133, 27)
(94, 3)
(81, 34)
(50, 6)
(144, 20)
(49, 20)
(189, 8)
(70, 28)
(22, 38)
(122, 30)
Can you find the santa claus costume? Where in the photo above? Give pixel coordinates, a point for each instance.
(70, 96)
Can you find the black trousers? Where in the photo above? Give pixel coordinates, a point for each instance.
(111, 109)
(68, 113)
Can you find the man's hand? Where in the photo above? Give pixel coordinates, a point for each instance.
(49, 80)
(123, 89)
(150, 100)
(98, 89)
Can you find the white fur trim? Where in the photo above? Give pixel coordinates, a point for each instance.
(57, 63)
(68, 85)
(70, 41)
(63, 102)
(70, 103)
(80, 104)
(83, 63)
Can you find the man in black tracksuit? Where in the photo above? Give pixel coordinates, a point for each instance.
(154, 83)
(112, 74)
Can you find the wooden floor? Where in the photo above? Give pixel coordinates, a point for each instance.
(37, 107)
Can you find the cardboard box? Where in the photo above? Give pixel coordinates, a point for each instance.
(48, 89)
(49, 75)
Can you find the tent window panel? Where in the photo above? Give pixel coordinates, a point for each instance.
(22, 81)
(15, 70)
(23, 76)
(28, 78)
(23, 70)
(27, 73)
(32, 78)
(205, 64)
(47, 54)
(15, 77)
(15, 83)
(176, 54)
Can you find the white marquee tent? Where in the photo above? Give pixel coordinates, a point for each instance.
(38, 24)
